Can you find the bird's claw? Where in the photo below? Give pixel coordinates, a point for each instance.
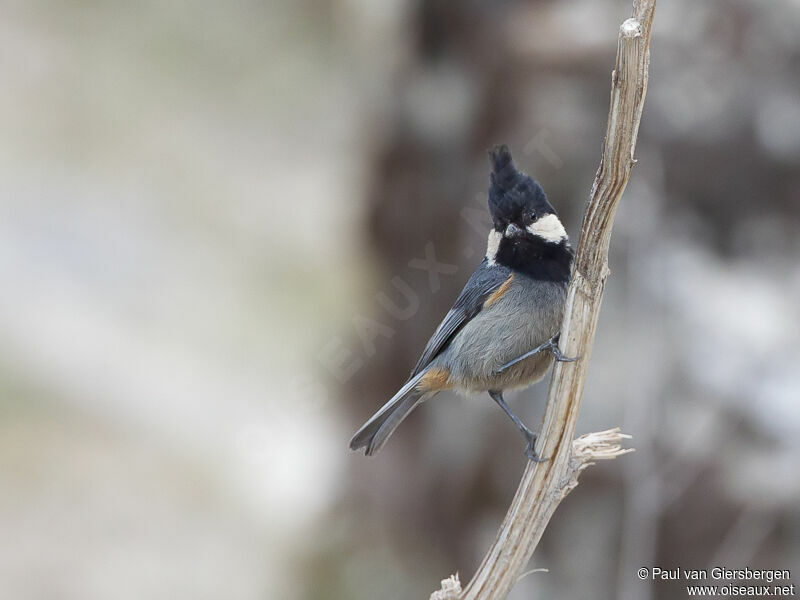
(558, 356)
(530, 450)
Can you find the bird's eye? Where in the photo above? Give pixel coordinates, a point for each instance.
(532, 215)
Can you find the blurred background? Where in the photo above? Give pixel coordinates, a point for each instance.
(228, 229)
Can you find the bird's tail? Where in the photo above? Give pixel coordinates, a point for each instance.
(374, 433)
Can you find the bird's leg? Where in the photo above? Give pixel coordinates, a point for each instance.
(551, 344)
(529, 435)
(536, 350)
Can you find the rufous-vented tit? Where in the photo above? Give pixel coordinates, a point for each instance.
(501, 333)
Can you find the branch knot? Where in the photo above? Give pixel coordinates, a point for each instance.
(630, 28)
(451, 589)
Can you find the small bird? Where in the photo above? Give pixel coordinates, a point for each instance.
(501, 333)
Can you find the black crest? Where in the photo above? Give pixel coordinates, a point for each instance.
(511, 191)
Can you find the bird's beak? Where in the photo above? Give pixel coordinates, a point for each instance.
(513, 231)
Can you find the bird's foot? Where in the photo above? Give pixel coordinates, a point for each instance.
(530, 449)
(557, 351)
(530, 436)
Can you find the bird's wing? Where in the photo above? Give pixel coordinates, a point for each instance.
(481, 285)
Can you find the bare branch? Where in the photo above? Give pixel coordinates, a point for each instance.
(544, 485)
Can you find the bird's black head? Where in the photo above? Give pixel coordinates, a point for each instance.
(527, 234)
(514, 197)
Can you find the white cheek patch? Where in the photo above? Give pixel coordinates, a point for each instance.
(549, 228)
(493, 245)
